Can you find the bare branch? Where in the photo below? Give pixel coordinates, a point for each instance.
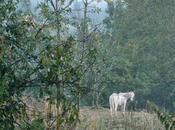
(40, 29)
(52, 4)
(70, 2)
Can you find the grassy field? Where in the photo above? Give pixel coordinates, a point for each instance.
(99, 119)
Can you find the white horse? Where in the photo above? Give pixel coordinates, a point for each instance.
(119, 99)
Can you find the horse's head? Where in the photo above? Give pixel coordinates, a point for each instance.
(132, 94)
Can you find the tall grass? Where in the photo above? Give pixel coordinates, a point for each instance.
(99, 119)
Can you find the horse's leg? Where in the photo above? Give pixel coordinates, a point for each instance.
(124, 106)
(111, 109)
(111, 106)
(116, 107)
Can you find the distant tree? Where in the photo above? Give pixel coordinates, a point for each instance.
(140, 33)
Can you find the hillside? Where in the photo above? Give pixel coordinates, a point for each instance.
(99, 119)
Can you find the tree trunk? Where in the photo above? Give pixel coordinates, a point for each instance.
(97, 99)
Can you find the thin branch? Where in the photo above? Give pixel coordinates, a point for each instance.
(52, 4)
(40, 29)
(70, 2)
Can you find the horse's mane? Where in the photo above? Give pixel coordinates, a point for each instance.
(127, 94)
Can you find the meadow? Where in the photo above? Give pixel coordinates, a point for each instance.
(100, 119)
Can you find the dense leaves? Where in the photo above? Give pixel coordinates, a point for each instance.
(139, 35)
(166, 119)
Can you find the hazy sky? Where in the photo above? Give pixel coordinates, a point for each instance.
(96, 18)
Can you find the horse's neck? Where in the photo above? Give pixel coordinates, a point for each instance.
(126, 95)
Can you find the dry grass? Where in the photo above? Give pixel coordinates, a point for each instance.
(99, 119)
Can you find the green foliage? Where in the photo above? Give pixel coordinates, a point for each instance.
(11, 108)
(135, 51)
(36, 124)
(141, 58)
(166, 119)
(35, 61)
